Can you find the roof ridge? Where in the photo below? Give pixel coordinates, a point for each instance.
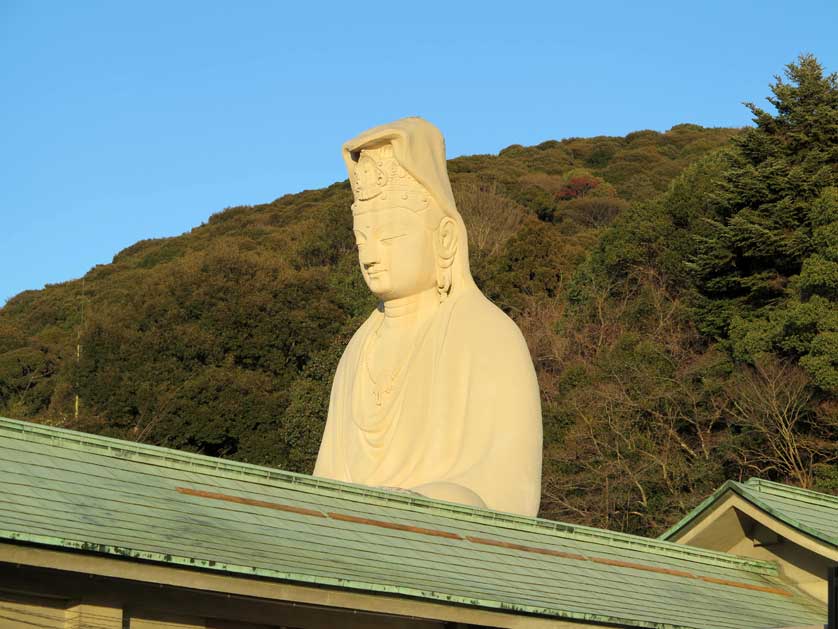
(169, 457)
(806, 495)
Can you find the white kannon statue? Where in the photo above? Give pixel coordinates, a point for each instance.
(436, 392)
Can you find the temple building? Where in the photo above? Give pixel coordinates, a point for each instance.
(103, 533)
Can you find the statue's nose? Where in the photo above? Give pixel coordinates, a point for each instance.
(368, 256)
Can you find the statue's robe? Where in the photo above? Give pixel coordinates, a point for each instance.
(464, 409)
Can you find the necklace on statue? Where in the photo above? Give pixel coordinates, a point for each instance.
(385, 388)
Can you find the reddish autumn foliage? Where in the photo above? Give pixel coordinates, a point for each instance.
(577, 187)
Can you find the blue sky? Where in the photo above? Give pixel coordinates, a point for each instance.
(128, 120)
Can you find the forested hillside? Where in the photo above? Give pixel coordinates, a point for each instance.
(677, 291)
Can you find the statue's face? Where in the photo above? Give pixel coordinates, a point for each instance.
(395, 251)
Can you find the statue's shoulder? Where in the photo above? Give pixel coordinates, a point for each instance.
(482, 331)
(479, 320)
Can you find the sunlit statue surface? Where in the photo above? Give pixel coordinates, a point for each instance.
(436, 392)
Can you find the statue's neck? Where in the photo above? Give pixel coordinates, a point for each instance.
(413, 308)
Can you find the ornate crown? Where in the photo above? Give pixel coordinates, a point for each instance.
(380, 183)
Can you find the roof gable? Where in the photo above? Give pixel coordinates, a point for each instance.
(810, 512)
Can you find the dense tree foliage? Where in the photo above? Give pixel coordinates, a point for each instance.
(767, 266)
(677, 290)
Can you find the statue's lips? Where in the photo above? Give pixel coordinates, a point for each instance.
(376, 272)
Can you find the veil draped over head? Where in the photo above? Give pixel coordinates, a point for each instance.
(419, 148)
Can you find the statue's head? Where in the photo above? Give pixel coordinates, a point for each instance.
(405, 241)
(409, 234)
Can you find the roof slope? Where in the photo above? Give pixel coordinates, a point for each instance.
(70, 490)
(810, 512)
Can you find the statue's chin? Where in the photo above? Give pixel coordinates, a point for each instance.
(377, 291)
(419, 294)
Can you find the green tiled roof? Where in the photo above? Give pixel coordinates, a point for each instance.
(810, 512)
(84, 493)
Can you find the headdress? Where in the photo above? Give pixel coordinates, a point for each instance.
(380, 182)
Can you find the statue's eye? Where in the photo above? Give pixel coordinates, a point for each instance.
(389, 239)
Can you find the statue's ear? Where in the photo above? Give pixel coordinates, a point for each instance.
(447, 238)
(446, 247)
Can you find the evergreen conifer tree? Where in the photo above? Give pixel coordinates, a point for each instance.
(767, 270)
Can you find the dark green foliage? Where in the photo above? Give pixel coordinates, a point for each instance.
(766, 270)
(675, 289)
